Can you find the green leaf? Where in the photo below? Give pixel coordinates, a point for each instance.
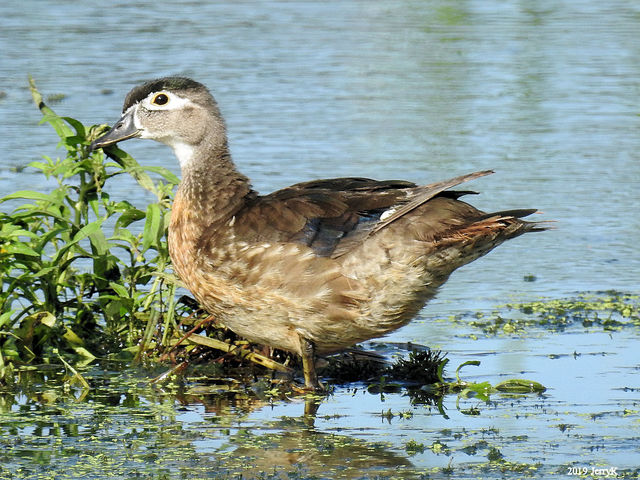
(48, 319)
(133, 168)
(71, 337)
(6, 317)
(119, 289)
(29, 195)
(127, 238)
(153, 227)
(36, 213)
(85, 353)
(48, 237)
(72, 141)
(83, 233)
(94, 203)
(128, 217)
(15, 232)
(21, 249)
(167, 174)
(518, 385)
(44, 317)
(87, 230)
(99, 242)
(58, 124)
(78, 126)
(45, 271)
(480, 390)
(470, 362)
(40, 166)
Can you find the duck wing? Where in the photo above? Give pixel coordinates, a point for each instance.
(334, 216)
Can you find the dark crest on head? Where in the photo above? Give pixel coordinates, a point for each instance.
(141, 92)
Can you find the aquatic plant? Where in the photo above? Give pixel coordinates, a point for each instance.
(608, 310)
(82, 271)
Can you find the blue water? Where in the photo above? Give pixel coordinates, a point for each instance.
(545, 93)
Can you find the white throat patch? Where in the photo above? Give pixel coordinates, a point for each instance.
(183, 152)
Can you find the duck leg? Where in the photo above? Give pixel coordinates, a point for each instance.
(308, 350)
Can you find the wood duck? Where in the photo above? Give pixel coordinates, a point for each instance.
(313, 268)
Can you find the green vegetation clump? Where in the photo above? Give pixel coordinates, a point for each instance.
(83, 273)
(422, 367)
(609, 310)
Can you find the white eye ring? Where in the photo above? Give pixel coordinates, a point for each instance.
(165, 101)
(160, 99)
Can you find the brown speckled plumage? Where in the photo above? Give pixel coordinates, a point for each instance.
(318, 266)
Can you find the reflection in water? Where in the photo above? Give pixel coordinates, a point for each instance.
(177, 427)
(313, 453)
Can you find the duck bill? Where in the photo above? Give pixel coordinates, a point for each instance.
(124, 129)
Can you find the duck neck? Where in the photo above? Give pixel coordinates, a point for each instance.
(209, 195)
(212, 190)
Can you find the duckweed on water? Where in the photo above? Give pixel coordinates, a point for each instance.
(607, 310)
(610, 310)
(126, 427)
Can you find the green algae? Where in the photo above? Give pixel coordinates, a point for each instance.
(605, 311)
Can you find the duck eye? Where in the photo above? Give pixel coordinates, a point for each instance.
(160, 99)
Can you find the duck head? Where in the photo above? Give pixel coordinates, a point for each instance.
(176, 111)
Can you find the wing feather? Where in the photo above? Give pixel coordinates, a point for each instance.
(333, 216)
